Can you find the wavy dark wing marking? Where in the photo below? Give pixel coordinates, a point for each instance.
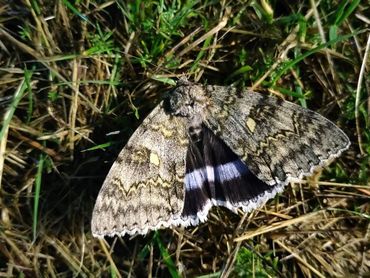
(278, 140)
(144, 189)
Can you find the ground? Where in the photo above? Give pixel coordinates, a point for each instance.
(74, 73)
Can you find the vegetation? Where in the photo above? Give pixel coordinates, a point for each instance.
(73, 73)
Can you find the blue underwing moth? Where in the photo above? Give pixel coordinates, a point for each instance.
(205, 146)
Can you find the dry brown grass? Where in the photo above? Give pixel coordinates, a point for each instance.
(70, 81)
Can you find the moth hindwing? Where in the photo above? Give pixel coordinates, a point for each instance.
(210, 145)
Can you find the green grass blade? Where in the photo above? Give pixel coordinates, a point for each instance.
(287, 92)
(36, 200)
(201, 53)
(75, 11)
(290, 64)
(166, 257)
(28, 75)
(113, 273)
(17, 97)
(98, 147)
(346, 12)
(164, 80)
(360, 214)
(36, 7)
(239, 71)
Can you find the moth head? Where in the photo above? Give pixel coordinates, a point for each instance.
(186, 100)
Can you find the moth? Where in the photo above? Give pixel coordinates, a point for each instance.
(205, 146)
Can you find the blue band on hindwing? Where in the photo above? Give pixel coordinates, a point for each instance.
(214, 174)
(220, 173)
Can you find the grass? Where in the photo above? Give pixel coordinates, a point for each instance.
(77, 78)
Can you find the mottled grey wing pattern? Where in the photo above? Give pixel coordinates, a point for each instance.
(278, 140)
(207, 146)
(144, 189)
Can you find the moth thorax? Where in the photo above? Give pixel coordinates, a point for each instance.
(178, 103)
(195, 133)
